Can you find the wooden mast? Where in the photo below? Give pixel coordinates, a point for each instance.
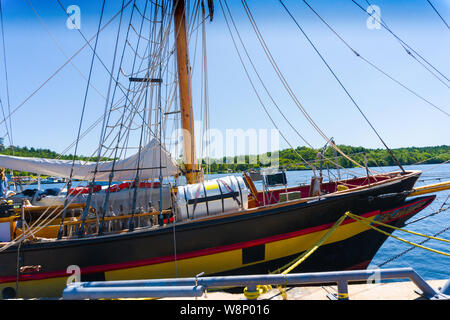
(193, 174)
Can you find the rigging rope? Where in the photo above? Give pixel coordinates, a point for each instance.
(262, 82)
(355, 217)
(61, 49)
(257, 94)
(136, 180)
(111, 176)
(6, 77)
(405, 46)
(8, 131)
(205, 91)
(142, 92)
(88, 43)
(105, 118)
(44, 223)
(308, 163)
(6, 126)
(372, 64)
(441, 209)
(38, 225)
(440, 16)
(86, 208)
(60, 68)
(296, 262)
(342, 85)
(160, 117)
(411, 248)
(287, 87)
(369, 224)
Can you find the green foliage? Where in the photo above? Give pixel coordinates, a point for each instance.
(290, 159)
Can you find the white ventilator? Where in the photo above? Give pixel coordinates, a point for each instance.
(212, 197)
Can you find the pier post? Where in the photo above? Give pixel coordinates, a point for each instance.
(342, 290)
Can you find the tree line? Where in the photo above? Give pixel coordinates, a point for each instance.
(287, 159)
(292, 160)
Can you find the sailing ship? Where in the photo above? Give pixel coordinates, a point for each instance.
(141, 224)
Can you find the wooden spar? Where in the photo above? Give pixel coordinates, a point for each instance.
(193, 174)
(430, 188)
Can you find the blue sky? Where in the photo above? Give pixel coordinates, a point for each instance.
(50, 118)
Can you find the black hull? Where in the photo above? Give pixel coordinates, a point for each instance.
(247, 238)
(336, 256)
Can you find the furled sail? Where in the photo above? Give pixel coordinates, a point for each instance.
(125, 169)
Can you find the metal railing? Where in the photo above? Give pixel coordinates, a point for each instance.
(197, 286)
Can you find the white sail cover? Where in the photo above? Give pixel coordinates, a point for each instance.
(123, 170)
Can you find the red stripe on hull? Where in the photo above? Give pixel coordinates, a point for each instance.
(360, 266)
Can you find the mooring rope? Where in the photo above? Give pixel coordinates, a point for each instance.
(369, 224)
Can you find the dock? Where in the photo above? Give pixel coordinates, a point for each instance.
(375, 284)
(399, 290)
